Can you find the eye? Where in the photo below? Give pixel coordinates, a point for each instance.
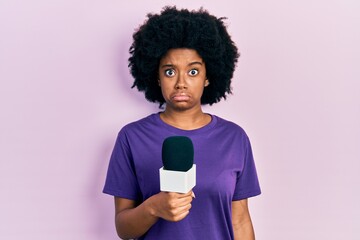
(193, 72)
(170, 72)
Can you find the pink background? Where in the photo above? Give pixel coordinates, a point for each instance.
(65, 93)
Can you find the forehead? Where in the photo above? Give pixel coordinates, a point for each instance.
(180, 55)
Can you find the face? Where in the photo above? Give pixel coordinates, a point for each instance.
(182, 78)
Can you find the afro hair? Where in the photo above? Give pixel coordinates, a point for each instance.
(172, 29)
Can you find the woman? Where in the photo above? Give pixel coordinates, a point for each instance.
(183, 59)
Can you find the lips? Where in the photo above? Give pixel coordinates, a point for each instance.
(180, 97)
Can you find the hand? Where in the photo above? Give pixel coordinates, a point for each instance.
(171, 206)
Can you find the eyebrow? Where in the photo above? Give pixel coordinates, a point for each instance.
(190, 64)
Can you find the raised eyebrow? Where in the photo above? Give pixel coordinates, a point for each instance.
(172, 66)
(167, 65)
(195, 63)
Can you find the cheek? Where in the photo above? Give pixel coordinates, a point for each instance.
(166, 89)
(201, 84)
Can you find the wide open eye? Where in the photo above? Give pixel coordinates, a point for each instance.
(193, 72)
(170, 72)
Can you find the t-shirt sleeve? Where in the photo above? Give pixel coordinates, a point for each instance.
(121, 178)
(247, 184)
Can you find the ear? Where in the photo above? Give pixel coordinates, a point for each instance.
(206, 83)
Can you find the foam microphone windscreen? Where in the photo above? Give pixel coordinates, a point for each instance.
(178, 153)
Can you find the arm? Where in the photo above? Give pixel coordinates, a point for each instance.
(133, 221)
(241, 221)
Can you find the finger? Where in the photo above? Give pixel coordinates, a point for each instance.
(184, 195)
(183, 201)
(179, 217)
(181, 210)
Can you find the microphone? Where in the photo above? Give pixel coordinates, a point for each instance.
(178, 173)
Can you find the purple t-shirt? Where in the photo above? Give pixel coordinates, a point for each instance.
(225, 172)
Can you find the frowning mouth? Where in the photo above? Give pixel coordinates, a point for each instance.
(179, 97)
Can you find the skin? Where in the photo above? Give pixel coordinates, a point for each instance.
(182, 78)
(133, 221)
(241, 221)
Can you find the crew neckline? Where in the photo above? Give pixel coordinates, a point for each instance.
(176, 130)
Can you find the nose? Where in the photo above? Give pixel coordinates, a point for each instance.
(181, 82)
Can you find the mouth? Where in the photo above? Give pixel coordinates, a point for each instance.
(180, 97)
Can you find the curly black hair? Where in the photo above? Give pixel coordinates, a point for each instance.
(174, 28)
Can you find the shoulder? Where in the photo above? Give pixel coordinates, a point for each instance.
(230, 132)
(146, 122)
(228, 126)
(144, 128)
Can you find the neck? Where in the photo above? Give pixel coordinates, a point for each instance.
(186, 120)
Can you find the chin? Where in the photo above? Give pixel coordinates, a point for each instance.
(180, 106)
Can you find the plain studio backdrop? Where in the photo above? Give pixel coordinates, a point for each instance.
(65, 93)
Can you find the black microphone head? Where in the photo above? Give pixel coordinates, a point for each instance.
(177, 153)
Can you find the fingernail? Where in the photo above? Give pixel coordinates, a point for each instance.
(193, 194)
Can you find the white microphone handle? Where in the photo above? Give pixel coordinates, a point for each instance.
(177, 181)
